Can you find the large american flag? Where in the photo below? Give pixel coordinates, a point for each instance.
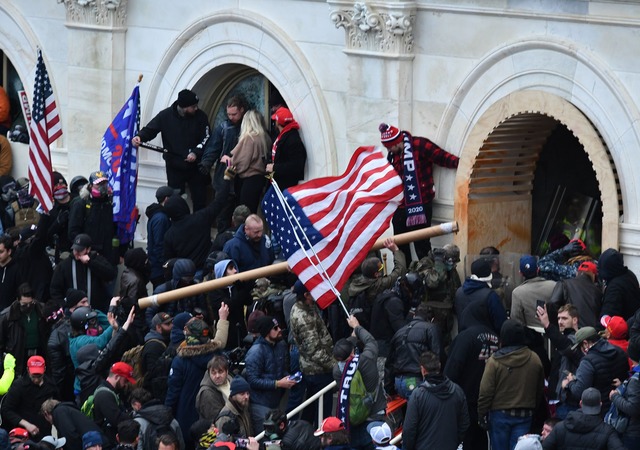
(45, 128)
(341, 217)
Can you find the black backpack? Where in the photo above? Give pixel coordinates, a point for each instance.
(153, 431)
(361, 308)
(157, 379)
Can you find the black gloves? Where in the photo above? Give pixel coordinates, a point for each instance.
(573, 248)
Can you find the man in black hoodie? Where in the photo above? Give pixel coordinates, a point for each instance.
(157, 225)
(621, 290)
(437, 414)
(584, 428)
(190, 234)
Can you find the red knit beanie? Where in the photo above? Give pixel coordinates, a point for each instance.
(389, 135)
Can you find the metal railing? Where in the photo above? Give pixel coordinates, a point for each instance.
(308, 402)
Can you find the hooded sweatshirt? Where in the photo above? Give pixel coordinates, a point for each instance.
(236, 296)
(582, 431)
(622, 293)
(513, 379)
(157, 225)
(437, 415)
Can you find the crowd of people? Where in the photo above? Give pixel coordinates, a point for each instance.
(476, 366)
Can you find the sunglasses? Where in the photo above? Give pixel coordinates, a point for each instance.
(277, 327)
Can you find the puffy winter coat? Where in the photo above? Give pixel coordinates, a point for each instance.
(582, 432)
(264, 364)
(437, 416)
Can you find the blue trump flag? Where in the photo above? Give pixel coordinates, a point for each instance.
(119, 159)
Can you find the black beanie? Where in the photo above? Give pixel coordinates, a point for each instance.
(135, 258)
(187, 98)
(481, 268)
(512, 333)
(265, 324)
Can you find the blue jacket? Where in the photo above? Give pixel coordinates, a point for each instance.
(249, 255)
(157, 226)
(187, 370)
(266, 363)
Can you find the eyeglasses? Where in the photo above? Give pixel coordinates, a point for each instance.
(277, 327)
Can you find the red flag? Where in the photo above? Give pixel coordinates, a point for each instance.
(341, 216)
(45, 128)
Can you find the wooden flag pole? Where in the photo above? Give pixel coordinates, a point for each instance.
(277, 269)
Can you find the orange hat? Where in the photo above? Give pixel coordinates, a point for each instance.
(588, 266)
(389, 135)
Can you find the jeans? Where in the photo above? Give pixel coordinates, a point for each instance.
(504, 430)
(405, 384)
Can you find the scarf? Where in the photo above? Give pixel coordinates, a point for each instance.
(290, 126)
(349, 370)
(412, 196)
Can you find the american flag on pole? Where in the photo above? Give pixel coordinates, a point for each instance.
(341, 217)
(119, 160)
(45, 128)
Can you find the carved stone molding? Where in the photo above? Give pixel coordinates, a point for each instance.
(388, 31)
(110, 14)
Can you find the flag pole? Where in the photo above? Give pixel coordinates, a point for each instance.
(280, 268)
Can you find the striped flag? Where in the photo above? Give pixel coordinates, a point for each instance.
(45, 128)
(341, 217)
(119, 160)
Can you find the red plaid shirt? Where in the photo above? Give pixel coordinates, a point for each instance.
(425, 155)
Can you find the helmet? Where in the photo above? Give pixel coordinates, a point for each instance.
(97, 177)
(451, 253)
(412, 288)
(76, 183)
(81, 317)
(22, 183)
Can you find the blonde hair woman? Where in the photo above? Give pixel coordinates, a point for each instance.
(249, 159)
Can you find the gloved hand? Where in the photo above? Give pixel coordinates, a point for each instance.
(573, 248)
(9, 362)
(483, 422)
(204, 168)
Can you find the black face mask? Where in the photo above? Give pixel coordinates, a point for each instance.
(184, 283)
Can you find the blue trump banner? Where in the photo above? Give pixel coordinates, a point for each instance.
(119, 160)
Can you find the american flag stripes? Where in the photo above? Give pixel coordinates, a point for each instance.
(341, 217)
(45, 128)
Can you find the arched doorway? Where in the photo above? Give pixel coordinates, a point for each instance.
(496, 177)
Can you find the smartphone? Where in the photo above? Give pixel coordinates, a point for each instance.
(240, 442)
(540, 303)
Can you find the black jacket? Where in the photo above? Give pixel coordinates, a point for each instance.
(10, 279)
(299, 436)
(389, 313)
(564, 359)
(582, 293)
(581, 432)
(58, 359)
(12, 334)
(94, 364)
(34, 262)
(72, 424)
(101, 273)
(437, 416)
(109, 410)
(23, 401)
(469, 291)
(406, 347)
(597, 369)
(291, 156)
(468, 355)
(94, 216)
(189, 235)
(629, 404)
(622, 293)
(180, 135)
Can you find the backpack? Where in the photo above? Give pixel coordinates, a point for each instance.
(133, 357)
(362, 307)
(88, 406)
(617, 419)
(153, 431)
(157, 379)
(360, 401)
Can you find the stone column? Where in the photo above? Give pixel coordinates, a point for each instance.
(379, 43)
(95, 76)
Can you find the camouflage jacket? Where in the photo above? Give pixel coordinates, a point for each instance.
(312, 338)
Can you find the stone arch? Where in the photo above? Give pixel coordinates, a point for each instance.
(573, 87)
(19, 42)
(527, 117)
(249, 39)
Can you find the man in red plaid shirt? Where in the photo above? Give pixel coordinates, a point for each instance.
(413, 158)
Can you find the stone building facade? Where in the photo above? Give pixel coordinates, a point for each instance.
(507, 85)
